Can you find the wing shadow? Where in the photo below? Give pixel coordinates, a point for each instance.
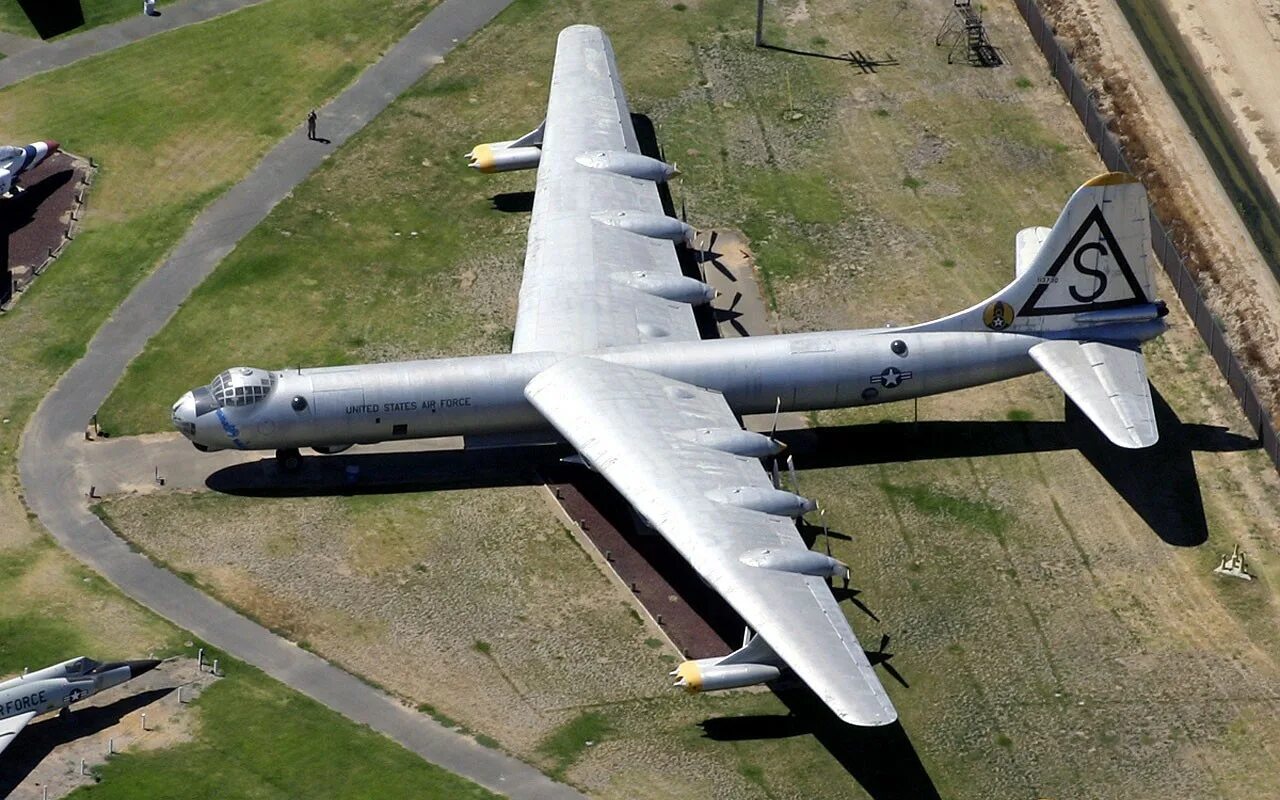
(882, 760)
(40, 738)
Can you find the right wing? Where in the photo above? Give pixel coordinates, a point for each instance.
(645, 434)
(1108, 383)
(11, 727)
(600, 269)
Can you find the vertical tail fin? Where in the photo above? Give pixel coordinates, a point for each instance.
(1085, 286)
(1092, 267)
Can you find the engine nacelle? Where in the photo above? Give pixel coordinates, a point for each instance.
(767, 501)
(708, 675)
(503, 157)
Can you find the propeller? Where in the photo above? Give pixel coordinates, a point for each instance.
(881, 658)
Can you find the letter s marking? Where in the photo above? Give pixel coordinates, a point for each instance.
(1097, 273)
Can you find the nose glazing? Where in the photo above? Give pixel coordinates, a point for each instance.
(184, 415)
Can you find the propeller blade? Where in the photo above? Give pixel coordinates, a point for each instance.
(791, 469)
(777, 409)
(777, 477)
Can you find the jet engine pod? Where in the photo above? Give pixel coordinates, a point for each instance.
(503, 157)
(708, 675)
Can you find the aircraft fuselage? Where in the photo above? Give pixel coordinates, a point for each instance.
(479, 395)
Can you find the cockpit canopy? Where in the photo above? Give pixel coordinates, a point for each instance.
(81, 666)
(9, 152)
(241, 386)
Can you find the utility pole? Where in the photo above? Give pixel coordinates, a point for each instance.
(759, 23)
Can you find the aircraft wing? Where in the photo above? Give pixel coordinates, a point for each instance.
(11, 727)
(636, 428)
(601, 264)
(1108, 383)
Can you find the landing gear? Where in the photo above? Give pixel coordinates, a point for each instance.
(289, 460)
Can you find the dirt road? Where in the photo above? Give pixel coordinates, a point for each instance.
(1234, 278)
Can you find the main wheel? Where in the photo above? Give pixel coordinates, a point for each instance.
(289, 460)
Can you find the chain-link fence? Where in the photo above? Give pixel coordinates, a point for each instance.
(1095, 125)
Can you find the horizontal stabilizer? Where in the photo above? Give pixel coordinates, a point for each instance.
(1108, 383)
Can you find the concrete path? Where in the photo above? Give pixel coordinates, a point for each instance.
(11, 44)
(36, 56)
(55, 493)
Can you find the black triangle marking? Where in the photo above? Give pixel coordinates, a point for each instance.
(1095, 217)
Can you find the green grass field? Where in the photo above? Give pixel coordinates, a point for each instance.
(1053, 644)
(260, 740)
(1005, 582)
(173, 121)
(425, 266)
(56, 18)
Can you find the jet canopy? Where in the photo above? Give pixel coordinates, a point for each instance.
(8, 152)
(241, 386)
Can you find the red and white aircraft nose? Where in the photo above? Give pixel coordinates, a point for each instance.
(51, 147)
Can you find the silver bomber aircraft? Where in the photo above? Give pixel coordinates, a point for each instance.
(57, 687)
(16, 160)
(607, 353)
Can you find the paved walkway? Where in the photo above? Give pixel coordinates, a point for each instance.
(37, 56)
(46, 461)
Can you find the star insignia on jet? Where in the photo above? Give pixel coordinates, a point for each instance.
(75, 695)
(891, 377)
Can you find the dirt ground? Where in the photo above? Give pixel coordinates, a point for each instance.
(48, 753)
(1236, 41)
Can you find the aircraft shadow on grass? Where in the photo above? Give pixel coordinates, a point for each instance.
(53, 17)
(40, 738)
(882, 760)
(1158, 482)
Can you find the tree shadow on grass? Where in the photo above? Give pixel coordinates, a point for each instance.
(53, 17)
(40, 738)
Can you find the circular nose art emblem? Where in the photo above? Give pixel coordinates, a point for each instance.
(998, 315)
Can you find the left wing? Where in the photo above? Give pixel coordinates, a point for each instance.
(600, 269)
(11, 727)
(662, 444)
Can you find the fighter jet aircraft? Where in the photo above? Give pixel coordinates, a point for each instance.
(57, 687)
(16, 160)
(607, 354)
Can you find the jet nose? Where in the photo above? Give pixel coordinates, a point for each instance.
(136, 668)
(184, 415)
(51, 146)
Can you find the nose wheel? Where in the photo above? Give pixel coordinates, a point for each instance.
(288, 460)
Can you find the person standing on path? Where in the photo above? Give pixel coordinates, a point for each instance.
(311, 125)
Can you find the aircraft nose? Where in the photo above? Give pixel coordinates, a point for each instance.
(136, 668)
(184, 415)
(51, 146)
